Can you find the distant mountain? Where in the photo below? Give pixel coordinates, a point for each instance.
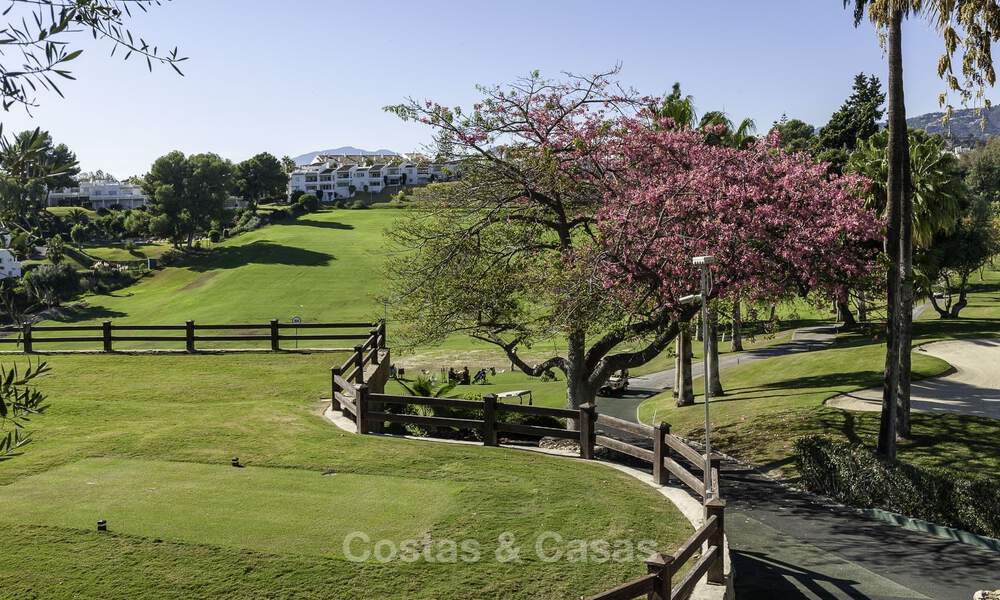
(964, 128)
(306, 158)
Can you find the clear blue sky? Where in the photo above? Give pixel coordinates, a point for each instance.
(291, 76)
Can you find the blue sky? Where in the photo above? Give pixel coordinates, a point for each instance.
(290, 76)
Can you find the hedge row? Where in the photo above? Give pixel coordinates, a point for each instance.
(855, 476)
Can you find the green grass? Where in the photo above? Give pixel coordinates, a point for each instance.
(264, 509)
(118, 253)
(544, 393)
(154, 435)
(62, 211)
(770, 403)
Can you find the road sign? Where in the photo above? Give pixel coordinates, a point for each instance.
(296, 320)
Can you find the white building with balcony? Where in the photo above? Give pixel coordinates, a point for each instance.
(99, 194)
(337, 177)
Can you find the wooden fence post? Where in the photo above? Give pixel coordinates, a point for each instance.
(661, 566)
(189, 335)
(373, 336)
(106, 334)
(359, 363)
(274, 335)
(588, 416)
(334, 388)
(490, 420)
(26, 338)
(381, 330)
(716, 507)
(660, 473)
(361, 402)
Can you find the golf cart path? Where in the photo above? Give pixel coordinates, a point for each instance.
(642, 387)
(972, 387)
(788, 544)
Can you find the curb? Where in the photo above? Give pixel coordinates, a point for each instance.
(940, 531)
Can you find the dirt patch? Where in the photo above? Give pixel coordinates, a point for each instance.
(199, 281)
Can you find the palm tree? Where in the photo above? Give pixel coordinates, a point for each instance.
(973, 26)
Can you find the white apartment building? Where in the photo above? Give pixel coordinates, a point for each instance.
(336, 177)
(99, 194)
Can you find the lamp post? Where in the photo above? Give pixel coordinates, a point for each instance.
(703, 262)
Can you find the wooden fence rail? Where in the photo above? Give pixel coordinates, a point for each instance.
(190, 334)
(352, 395)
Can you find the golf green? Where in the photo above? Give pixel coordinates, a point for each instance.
(288, 511)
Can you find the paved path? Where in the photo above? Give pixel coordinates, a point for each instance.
(786, 544)
(972, 388)
(644, 386)
(791, 545)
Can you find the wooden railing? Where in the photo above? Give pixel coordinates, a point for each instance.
(364, 401)
(188, 335)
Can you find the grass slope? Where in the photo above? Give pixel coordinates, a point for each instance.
(184, 524)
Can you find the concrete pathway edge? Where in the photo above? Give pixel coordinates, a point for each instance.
(685, 503)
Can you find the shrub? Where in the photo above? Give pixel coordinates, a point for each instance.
(214, 236)
(296, 195)
(55, 249)
(296, 210)
(359, 204)
(80, 233)
(854, 475)
(130, 246)
(51, 284)
(309, 203)
(279, 214)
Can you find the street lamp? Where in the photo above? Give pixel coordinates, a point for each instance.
(706, 288)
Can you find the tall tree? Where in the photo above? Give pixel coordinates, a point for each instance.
(187, 193)
(548, 231)
(30, 164)
(855, 121)
(288, 164)
(796, 135)
(969, 28)
(260, 176)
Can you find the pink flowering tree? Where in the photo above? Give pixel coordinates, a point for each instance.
(567, 238)
(778, 224)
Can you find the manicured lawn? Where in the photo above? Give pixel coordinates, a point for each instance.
(771, 403)
(264, 509)
(145, 442)
(117, 252)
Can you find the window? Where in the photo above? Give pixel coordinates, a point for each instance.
(310, 187)
(310, 178)
(324, 178)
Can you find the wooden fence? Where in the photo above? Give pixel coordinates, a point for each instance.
(189, 335)
(354, 396)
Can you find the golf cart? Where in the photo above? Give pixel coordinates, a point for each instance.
(616, 385)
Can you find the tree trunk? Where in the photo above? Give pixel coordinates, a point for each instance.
(906, 280)
(737, 327)
(844, 313)
(714, 383)
(578, 391)
(963, 300)
(894, 199)
(684, 390)
(862, 307)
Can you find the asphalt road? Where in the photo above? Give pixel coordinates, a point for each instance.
(787, 544)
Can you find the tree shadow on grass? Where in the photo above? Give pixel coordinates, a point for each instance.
(261, 252)
(322, 224)
(78, 314)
